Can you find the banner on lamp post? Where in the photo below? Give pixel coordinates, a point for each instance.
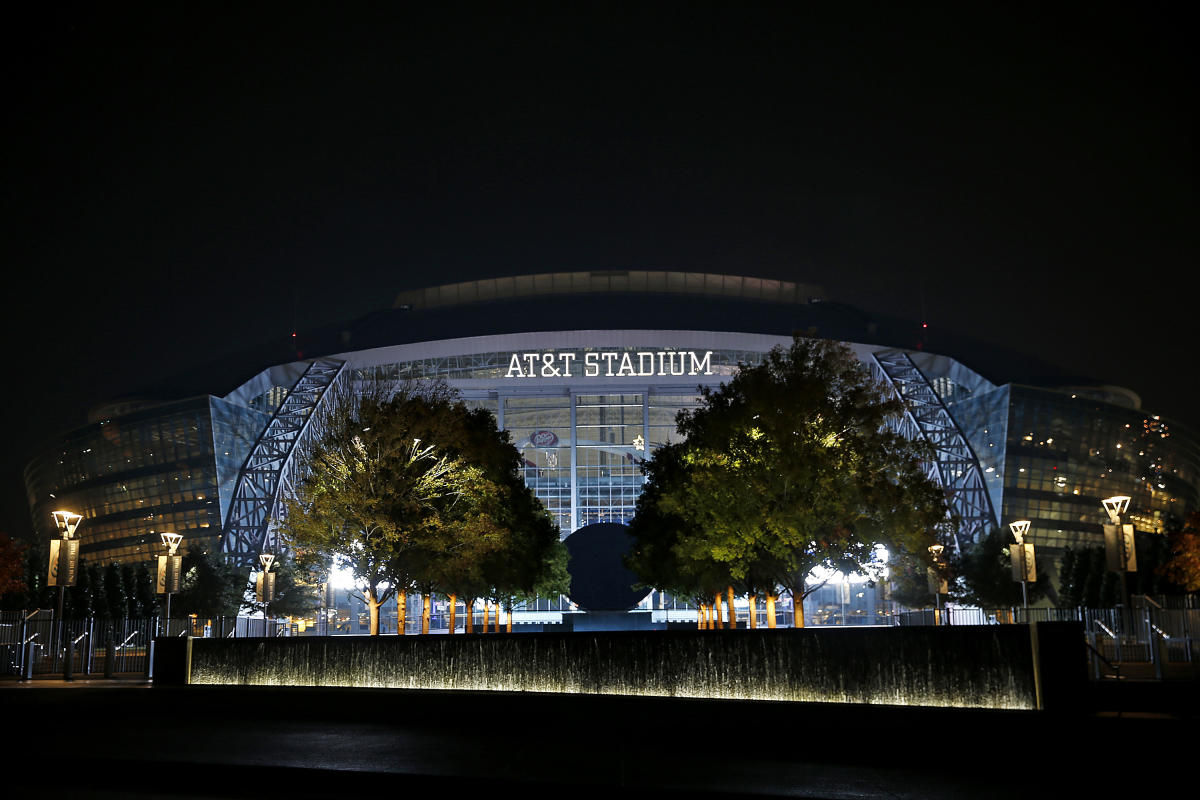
(1119, 549)
(264, 587)
(169, 569)
(64, 562)
(1024, 566)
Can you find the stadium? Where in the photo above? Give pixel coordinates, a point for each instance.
(586, 371)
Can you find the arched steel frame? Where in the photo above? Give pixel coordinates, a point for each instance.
(268, 470)
(954, 467)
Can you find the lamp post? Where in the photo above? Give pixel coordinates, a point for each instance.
(169, 567)
(1023, 566)
(937, 583)
(1119, 545)
(64, 562)
(265, 586)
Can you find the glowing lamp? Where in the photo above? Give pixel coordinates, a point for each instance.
(1019, 529)
(67, 522)
(1116, 506)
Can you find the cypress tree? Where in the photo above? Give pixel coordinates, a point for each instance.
(114, 605)
(129, 585)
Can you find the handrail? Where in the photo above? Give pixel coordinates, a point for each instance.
(1105, 628)
(80, 636)
(1115, 668)
(127, 638)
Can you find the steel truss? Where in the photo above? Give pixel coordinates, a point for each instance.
(955, 467)
(268, 470)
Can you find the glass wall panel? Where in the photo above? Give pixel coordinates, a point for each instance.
(610, 447)
(540, 429)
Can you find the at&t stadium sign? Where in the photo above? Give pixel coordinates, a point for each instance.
(641, 363)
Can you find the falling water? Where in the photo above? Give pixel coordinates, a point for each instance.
(970, 667)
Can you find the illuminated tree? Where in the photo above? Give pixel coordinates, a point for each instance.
(372, 488)
(1183, 566)
(12, 567)
(408, 489)
(790, 466)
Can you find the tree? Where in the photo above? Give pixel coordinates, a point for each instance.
(409, 489)
(295, 591)
(908, 579)
(113, 604)
(1183, 566)
(147, 600)
(790, 466)
(82, 599)
(371, 491)
(12, 567)
(210, 586)
(129, 588)
(984, 571)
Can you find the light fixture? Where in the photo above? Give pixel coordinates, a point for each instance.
(171, 540)
(1019, 529)
(67, 522)
(1116, 506)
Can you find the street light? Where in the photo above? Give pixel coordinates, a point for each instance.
(937, 583)
(265, 586)
(1023, 566)
(1119, 545)
(64, 562)
(169, 568)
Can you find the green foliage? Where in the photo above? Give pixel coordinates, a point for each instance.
(1182, 565)
(786, 468)
(129, 589)
(113, 604)
(211, 587)
(984, 572)
(87, 595)
(12, 568)
(908, 579)
(409, 489)
(143, 594)
(296, 591)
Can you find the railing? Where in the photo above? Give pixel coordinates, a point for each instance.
(1164, 639)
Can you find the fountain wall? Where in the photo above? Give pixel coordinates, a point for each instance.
(994, 666)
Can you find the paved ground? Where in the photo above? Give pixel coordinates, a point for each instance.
(98, 739)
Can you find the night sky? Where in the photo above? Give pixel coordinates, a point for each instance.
(186, 179)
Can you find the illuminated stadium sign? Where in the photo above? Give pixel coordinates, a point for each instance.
(643, 363)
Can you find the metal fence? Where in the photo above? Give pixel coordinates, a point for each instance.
(1143, 635)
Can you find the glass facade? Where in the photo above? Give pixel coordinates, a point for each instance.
(1047, 456)
(1067, 452)
(582, 452)
(1052, 456)
(166, 468)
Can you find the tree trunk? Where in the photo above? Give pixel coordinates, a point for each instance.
(468, 615)
(717, 611)
(798, 607)
(508, 619)
(732, 610)
(453, 613)
(700, 617)
(425, 601)
(752, 620)
(401, 611)
(770, 610)
(373, 611)
(487, 614)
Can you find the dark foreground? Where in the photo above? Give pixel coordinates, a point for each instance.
(99, 742)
